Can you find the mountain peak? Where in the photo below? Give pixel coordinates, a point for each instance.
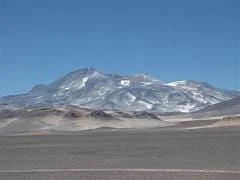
(84, 70)
(146, 77)
(142, 75)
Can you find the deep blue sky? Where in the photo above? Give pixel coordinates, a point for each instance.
(41, 40)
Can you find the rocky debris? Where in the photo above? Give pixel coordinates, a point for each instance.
(73, 114)
(145, 115)
(7, 114)
(100, 114)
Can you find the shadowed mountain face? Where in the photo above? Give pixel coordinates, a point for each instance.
(73, 113)
(226, 108)
(93, 89)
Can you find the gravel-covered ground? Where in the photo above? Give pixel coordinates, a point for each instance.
(203, 149)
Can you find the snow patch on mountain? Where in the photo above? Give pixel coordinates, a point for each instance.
(176, 83)
(125, 82)
(146, 83)
(131, 97)
(185, 108)
(148, 106)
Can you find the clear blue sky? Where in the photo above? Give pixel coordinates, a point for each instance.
(41, 40)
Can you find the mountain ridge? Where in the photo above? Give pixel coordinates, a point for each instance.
(94, 89)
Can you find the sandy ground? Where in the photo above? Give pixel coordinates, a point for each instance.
(214, 150)
(54, 123)
(118, 174)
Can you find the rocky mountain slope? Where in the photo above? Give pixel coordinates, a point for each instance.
(226, 108)
(90, 88)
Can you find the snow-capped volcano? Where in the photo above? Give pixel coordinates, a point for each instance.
(94, 89)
